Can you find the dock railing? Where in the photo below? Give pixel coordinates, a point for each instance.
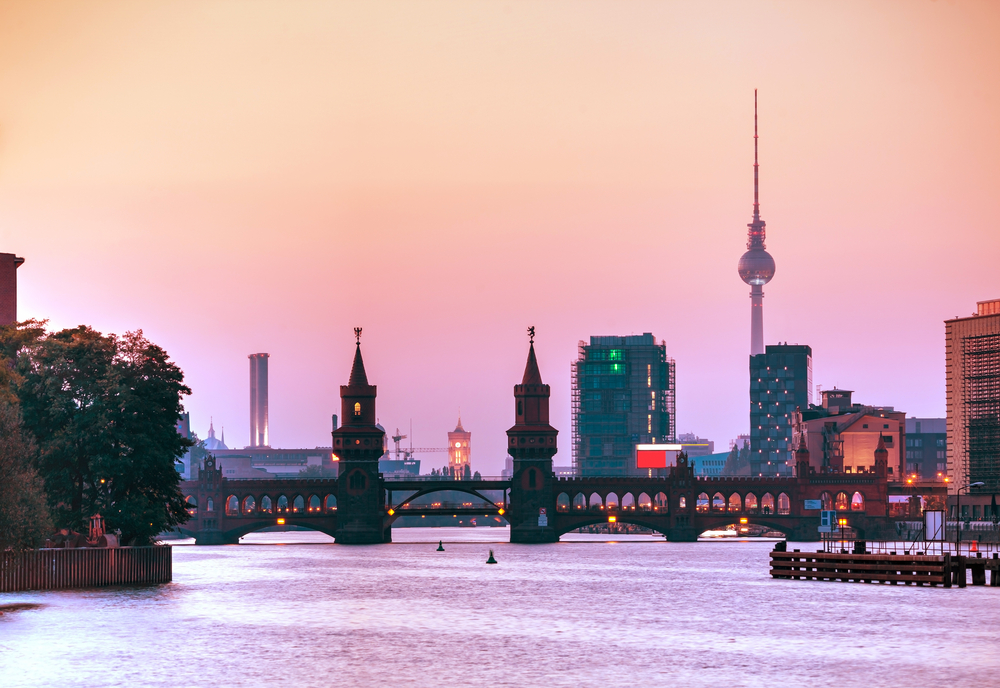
(58, 569)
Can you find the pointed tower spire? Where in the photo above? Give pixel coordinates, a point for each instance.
(211, 427)
(358, 375)
(531, 374)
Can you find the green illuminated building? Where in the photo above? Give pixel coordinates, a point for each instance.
(623, 395)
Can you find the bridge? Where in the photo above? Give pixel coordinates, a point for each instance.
(360, 505)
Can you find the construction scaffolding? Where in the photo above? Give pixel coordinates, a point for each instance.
(623, 394)
(982, 403)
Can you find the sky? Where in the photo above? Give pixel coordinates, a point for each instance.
(241, 177)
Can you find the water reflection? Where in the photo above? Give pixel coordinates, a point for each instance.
(579, 613)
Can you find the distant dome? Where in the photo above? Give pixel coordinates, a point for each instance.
(756, 267)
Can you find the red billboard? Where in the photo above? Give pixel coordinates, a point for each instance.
(656, 455)
(651, 458)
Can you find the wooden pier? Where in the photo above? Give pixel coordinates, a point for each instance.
(895, 569)
(58, 569)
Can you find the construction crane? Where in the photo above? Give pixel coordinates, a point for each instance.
(408, 453)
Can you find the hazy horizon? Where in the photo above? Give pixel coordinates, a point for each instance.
(236, 177)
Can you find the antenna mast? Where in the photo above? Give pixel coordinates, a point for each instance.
(756, 199)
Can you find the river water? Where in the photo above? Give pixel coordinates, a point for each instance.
(583, 612)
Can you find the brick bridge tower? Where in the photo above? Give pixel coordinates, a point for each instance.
(358, 444)
(532, 443)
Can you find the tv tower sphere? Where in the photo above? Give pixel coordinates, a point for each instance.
(756, 267)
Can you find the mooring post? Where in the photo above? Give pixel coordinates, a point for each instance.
(947, 570)
(978, 570)
(962, 575)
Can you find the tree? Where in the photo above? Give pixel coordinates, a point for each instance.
(738, 461)
(104, 411)
(24, 517)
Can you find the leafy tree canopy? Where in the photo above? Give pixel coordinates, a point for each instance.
(103, 410)
(24, 517)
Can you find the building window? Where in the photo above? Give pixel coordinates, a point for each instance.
(357, 408)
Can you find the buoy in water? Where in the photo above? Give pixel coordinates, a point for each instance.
(491, 560)
(440, 546)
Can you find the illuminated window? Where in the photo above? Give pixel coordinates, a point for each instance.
(357, 408)
(649, 375)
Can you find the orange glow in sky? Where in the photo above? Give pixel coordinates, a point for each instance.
(237, 177)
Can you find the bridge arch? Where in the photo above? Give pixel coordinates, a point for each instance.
(596, 502)
(635, 518)
(767, 504)
(826, 501)
(298, 504)
(282, 504)
(661, 504)
(701, 505)
(327, 526)
(784, 505)
(579, 502)
(611, 501)
(330, 503)
(249, 505)
(842, 503)
(455, 486)
(858, 502)
(266, 505)
(562, 502)
(718, 502)
(628, 502)
(750, 503)
(735, 503)
(314, 504)
(645, 503)
(232, 505)
(720, 521)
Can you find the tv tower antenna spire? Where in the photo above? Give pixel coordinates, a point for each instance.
(756, 187)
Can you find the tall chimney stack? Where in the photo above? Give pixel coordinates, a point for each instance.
(9, 263)
(258, 401)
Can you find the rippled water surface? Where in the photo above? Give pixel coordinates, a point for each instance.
(577, 613)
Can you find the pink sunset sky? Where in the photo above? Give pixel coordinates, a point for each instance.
(240, 177)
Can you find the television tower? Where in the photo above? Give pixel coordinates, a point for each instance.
(756, 266)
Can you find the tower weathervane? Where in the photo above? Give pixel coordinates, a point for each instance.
(531, 334)
(357, 334)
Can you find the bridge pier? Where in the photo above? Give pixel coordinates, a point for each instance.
(215, 537)
(682, 534)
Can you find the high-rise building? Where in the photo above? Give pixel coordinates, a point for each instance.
(258, 401)
(623, 395)
(756, 266)
(972, 369)
(926, 448)
(780, 382)
(9, 263)
(459, 449)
